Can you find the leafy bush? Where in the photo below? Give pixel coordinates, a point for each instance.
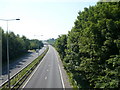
(92, 49)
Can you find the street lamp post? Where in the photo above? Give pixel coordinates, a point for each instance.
(8, 67)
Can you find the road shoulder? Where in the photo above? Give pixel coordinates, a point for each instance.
(64, 73)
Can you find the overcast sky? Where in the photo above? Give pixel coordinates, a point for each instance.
(49, 18)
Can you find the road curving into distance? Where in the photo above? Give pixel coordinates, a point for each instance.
(47, 74)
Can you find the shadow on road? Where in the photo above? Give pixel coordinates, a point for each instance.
(18, 63)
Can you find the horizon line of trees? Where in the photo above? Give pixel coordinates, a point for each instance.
(17, 45)
(90, 52)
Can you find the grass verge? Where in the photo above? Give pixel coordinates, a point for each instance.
(17, 80)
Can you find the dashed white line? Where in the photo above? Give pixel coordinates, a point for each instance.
(33, 72)
(45, 78)
(49, 65)
(16, 72)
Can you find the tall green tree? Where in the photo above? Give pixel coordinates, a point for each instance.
(61, 45)
(17, 45)
(93, 47)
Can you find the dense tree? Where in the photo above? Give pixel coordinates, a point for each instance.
(0, 45)
(61, 45)
(35, 44)
(51, 41)
(17, 45)
(93, 47)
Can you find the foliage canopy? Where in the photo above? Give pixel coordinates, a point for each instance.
(91, 50)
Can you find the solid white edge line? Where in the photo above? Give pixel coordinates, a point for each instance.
(60, 70)
(61, 76)
(33, 73)
(18, 71)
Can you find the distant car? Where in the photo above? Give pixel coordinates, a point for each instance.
(37, 50)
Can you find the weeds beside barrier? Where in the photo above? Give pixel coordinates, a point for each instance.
(17, 80)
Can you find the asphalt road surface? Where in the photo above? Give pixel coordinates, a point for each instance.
(21, 63)
(47, 74)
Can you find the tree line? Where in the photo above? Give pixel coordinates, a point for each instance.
(51, 41)
(91, 50)
(17, 45)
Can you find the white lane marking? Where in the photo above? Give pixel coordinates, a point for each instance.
(59, 70)
(18, 71)
(33, 72)
(47, 70)
(45, 78)
(61, 76)
(49, 65)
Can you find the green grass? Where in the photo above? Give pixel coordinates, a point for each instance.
(24, 71)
